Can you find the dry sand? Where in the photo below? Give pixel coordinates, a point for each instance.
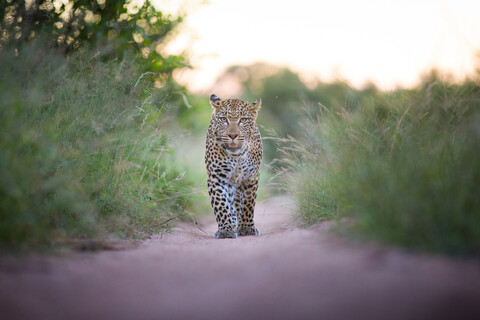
(286, 273)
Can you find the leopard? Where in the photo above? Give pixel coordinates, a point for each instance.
(233, 156)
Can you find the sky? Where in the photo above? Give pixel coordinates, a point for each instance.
(390, 43)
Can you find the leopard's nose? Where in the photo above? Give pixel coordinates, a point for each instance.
(233, 136)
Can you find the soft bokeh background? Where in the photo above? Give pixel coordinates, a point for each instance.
(389, 43)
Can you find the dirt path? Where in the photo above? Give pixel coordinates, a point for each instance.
(286, 273)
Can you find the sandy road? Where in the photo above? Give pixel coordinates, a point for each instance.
(286, 273)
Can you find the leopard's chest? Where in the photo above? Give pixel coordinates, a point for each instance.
(236, 170)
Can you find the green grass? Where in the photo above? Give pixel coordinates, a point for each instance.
(83, 152)
(405, 166)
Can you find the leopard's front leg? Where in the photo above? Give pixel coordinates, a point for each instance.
(249, 195)
(222, 195)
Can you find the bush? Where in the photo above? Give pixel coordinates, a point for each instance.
(82, 149)
(405, 166)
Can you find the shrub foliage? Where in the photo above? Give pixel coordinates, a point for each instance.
(405, 165)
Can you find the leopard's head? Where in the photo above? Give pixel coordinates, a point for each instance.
(233, 121)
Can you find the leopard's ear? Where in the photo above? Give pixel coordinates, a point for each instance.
(215, 101)
(256, 105)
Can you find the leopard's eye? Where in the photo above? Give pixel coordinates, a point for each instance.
(223, 119)
(242, 120)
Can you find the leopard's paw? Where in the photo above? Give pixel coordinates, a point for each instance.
(248, 232)
(222, 234)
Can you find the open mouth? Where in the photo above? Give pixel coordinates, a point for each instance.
(233, 146)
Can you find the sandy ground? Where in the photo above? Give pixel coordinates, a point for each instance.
(286, 273)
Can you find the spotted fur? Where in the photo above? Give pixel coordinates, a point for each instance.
(233, 156)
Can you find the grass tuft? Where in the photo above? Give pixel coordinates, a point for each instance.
(405, 166)
(83, 153)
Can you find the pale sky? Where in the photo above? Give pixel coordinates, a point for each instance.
(387, 42)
